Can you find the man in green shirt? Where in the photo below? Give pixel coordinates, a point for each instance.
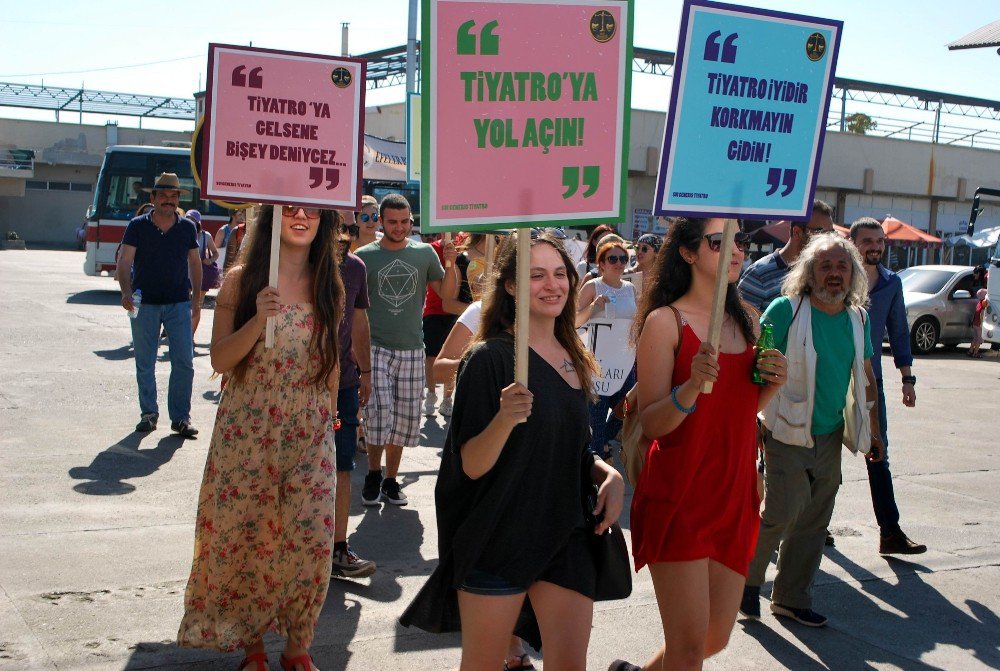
(399, 271)
(820, 328)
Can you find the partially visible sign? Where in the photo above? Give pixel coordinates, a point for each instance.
(608, 340)
(385, 160)
(413, 138)
(526, 118)
(283, 127)
(642, 221)
(748, 111)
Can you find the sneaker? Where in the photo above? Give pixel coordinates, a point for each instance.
(147, 422)
(829, 539)
(346, 564)
(750, 603)
(429, 404)
(391, 493)
(371, 492)
(446, 407)
(806, 616)
(622, 665)
(899, 544)
(184, 428)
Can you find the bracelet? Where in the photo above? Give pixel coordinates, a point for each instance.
(909, 379)
(365, 372)
(677, 404)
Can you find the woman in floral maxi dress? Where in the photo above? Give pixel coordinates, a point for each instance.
(264, 529)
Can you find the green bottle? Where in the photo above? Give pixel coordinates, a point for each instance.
(766, 341)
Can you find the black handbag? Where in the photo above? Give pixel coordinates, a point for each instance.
(611, 558)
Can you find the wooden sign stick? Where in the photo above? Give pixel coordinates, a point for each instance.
(272, 276)
(491, 248)
(721, 286)
(522, 301)
(447, 241)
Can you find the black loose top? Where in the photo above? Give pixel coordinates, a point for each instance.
(514, 519)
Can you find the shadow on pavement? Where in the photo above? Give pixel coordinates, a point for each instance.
(95, 297)
(123, 461)
(915, 620)
(118, 354)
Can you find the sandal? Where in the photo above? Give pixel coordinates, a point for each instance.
(522, 662)
(255, 658)
(304, 661)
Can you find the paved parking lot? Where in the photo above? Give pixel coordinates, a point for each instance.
(96, 522)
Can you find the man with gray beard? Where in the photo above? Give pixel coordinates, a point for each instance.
(820, 326)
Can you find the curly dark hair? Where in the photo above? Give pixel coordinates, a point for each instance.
(671, 278)
(499, 307)
(328, 289)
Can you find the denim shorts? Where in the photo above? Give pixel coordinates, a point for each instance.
(487, 584)
(346, 438)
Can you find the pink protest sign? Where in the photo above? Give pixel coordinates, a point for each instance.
(283, 127)
(524, 117)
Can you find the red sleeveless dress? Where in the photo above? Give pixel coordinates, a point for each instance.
(697, 494)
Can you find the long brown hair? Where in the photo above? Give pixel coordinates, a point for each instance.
(499, 306)
(671, 278)
(327, 293)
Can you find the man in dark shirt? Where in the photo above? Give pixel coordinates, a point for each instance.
(159, 257)
(888, 314)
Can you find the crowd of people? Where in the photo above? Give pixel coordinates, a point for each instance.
(368, 322)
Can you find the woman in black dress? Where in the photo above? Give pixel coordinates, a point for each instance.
(508, 497)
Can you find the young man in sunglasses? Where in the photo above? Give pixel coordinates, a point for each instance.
(399, 272)
(761, 283)
(367, 221)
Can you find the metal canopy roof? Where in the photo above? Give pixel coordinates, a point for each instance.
(987, 36)
(95, 102)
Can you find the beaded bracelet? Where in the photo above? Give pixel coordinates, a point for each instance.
(677, 404)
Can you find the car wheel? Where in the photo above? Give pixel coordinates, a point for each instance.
(924, 335)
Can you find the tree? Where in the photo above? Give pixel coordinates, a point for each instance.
(860, 123)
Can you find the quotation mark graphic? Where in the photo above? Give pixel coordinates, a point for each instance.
(778, 176)
(256, 80)
(332, 177)
(728, 47)
(571, 180)
(489, 43)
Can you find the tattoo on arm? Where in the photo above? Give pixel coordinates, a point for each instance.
(568, 366)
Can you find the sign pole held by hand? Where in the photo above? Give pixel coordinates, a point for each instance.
(522, 301)
(447, 241)
(272, 276)
(721, 286)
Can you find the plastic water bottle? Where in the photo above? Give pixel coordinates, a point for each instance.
(609, 307)
(136, 302)
(766, 341)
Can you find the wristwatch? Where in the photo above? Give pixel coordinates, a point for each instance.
(909, 379)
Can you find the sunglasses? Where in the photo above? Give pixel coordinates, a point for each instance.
(742, 241)
(647, 248)
(365, 218)
(292, 210)
(350, 229)
(617, 258)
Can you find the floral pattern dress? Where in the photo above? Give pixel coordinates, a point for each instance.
(264, 530)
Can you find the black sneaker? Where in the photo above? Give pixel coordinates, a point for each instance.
(806, 616)
(184, 428)
(147, 422)
(371, 492)
(750, 603)
(391, 493)
(346, 564)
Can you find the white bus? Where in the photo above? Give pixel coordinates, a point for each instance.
(125, 172)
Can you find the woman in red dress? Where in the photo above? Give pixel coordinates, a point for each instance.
(695, 513)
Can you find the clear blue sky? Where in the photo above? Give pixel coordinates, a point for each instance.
(890, 41)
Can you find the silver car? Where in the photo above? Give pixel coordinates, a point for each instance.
(940, 303)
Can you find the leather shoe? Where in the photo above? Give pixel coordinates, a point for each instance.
(899, 544)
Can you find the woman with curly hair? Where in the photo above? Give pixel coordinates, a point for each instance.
(265, 526)
(511, 526)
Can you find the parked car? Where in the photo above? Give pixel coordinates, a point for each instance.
(940, 303)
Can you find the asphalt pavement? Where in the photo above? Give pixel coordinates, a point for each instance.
(96, 521)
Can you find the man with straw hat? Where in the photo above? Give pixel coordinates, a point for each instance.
(159, 258)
